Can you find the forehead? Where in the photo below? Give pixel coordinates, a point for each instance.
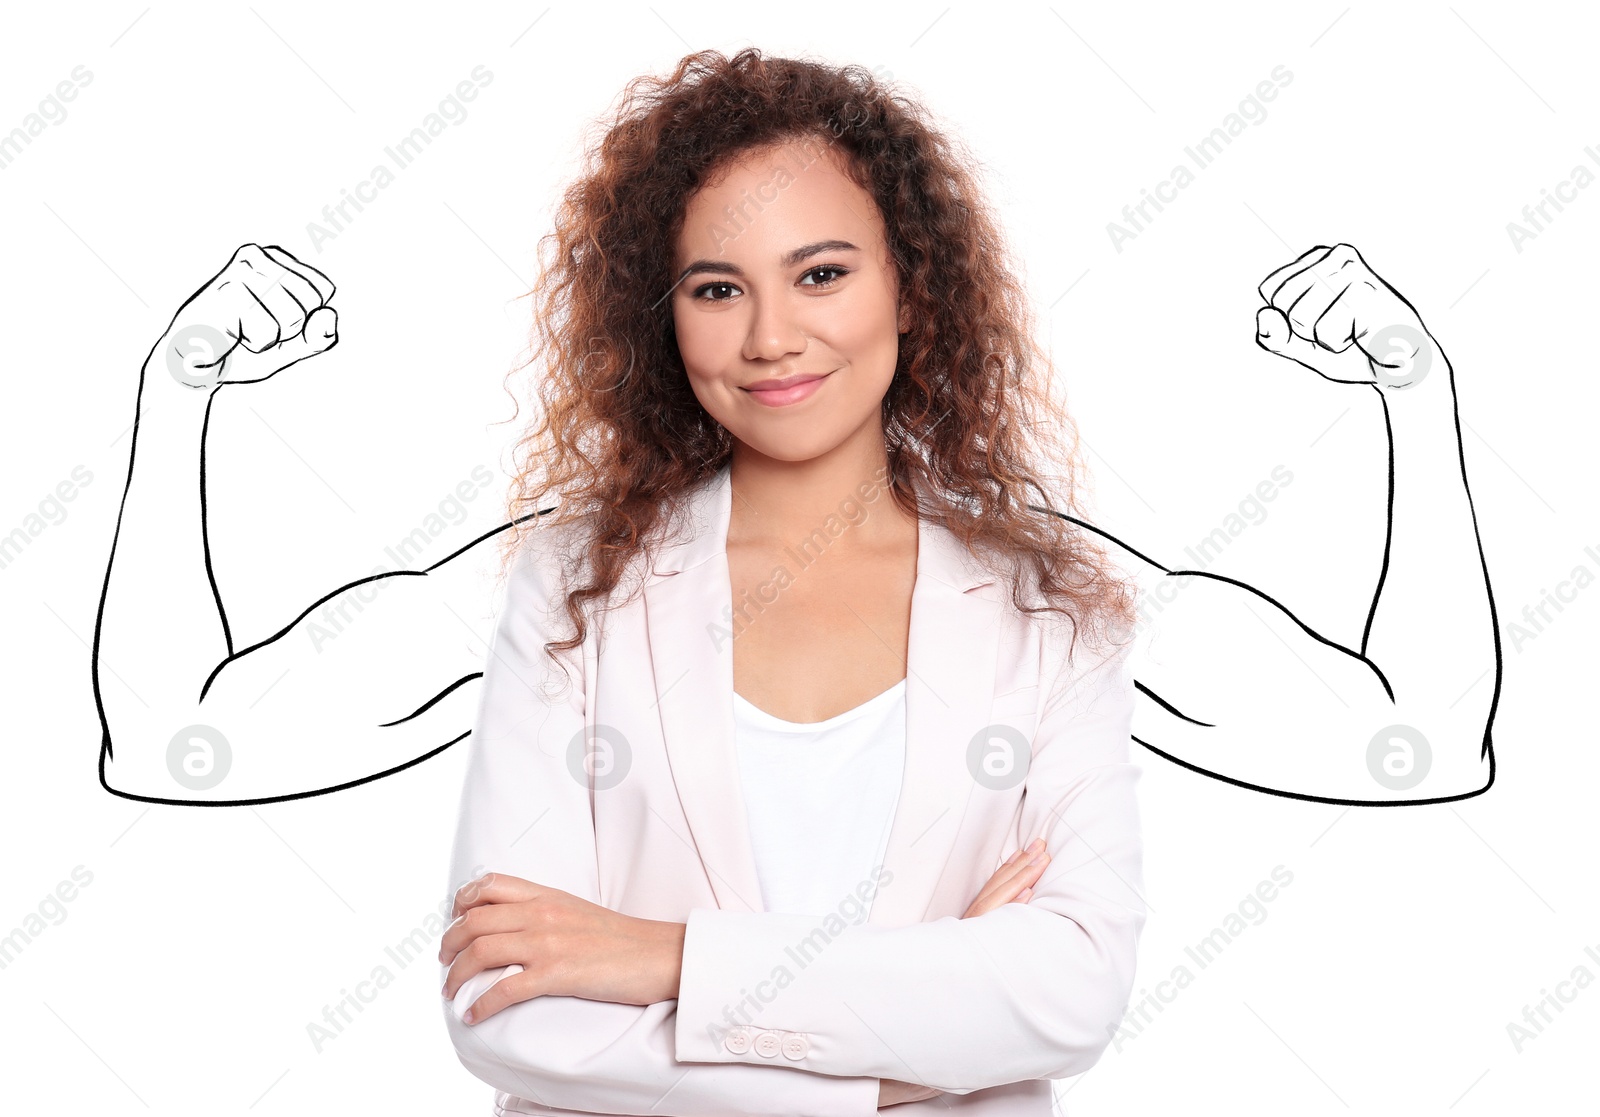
(763, 202)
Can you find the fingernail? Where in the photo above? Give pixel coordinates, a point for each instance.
(444, 990)
(1038, 858)
(467, 1017)
(1036, 845)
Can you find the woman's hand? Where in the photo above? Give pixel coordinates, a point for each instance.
(570, 947)
(891, 1091)
(566, 947)
(1014, 880)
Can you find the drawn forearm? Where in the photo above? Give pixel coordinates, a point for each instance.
(161, 629)
(1431, 629)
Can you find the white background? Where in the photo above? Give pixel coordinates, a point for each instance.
(1383, 978)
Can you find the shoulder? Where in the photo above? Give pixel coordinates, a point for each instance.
(548, 558)
(553, 558)
(1091, 673)
(1081, 656)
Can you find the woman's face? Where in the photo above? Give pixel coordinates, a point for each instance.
(789, 278)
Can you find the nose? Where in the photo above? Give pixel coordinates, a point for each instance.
(773, 332)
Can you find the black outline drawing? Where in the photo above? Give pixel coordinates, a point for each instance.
(197, 354)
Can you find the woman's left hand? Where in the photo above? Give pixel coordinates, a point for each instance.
(565, 945)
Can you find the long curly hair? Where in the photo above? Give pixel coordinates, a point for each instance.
(969, 415)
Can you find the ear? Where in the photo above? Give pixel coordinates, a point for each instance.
(904, 322)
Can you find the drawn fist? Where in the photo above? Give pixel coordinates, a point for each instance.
(1331, 313)
(261, 313)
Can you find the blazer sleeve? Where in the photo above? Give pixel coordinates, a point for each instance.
(1026, 991)
(525, 810)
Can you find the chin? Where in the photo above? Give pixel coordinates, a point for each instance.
(786, 451)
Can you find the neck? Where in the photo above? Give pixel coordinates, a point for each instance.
(776, 502)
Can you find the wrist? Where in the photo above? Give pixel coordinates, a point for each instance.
(668, 958)
(1423, 374)
(1430, 403)
(191, 355)
(167, 415)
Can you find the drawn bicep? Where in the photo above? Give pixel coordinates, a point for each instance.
(370, 679)
(1210, 653)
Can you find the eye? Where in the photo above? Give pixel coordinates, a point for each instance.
(700, 292)
(838, 271)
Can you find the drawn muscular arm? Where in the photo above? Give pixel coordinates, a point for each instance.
(1233, 685)
(189, 716)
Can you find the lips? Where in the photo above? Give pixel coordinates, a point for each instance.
(785, 391)
(785, 382)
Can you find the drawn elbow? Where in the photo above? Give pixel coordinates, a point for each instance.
(1424, 754)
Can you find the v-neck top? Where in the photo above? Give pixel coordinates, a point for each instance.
(820, 798)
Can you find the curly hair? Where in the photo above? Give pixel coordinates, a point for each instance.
(969, 414)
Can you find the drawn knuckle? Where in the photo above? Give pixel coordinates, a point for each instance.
(1329, 336)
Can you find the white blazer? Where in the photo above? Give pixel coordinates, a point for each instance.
(1006, 740)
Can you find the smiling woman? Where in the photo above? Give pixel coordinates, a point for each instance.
(780, 329)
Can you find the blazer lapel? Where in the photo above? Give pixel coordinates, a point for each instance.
(950, 672)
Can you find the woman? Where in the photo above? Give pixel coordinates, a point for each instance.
(931, 600)
(777, 310)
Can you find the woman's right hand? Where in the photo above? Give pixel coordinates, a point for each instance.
(891, 1091)
(1014, 880)
(261, 313)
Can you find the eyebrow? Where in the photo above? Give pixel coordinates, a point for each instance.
(789, 260)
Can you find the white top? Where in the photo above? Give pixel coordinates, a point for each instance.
(820, 797)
